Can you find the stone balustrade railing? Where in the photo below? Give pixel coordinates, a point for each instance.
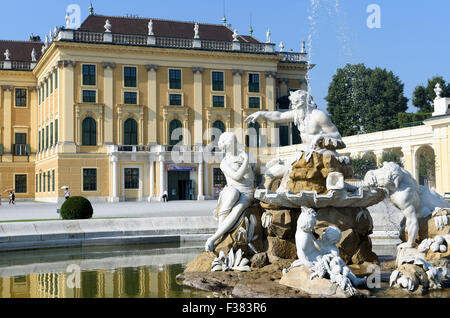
(183, 43)
(16, 65)
(293, 57)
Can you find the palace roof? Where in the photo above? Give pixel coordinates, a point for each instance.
(162, 28)
(20, 50)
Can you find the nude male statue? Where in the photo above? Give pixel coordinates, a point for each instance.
(316, 128)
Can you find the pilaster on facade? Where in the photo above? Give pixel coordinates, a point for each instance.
(270, 101)
(237, 102)
(198, 105)
(7, 120)
(115, 178)
(152, 104)
(108, 96)
(283, 86)
(67, 139)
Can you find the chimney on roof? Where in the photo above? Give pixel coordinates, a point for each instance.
(35, 38)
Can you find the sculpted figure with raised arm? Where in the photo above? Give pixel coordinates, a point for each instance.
(316, 128)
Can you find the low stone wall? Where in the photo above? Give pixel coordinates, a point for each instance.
(48, 234)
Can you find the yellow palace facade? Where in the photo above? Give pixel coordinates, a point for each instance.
(100, 108)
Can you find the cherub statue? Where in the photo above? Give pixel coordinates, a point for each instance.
(238, 193)
(315, 127)
(322, 256)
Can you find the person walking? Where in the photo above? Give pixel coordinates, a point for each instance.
(12, 197)
(165, 196)
(67, 193)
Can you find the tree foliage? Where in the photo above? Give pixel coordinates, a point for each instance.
(423, 97)
(391, 156)
(363, 100)
(407, 118)
(363, 164)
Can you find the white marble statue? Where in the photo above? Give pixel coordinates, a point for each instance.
(7, 55)
(315, 126)
(235, 36)
(107, 26)
(268, 36)
(196, 36)
(322, 256)
(415, 201)
(33, 55)
(434, 275)
(150, 28)
(68, 21)
(438, 91)
(238, 193)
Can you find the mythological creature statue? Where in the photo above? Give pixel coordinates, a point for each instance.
(316, 130)
(414, 200)
(238, 193)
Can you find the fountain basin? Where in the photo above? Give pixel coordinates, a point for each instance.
(362, 197)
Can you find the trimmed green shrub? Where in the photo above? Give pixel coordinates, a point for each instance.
(76, 208)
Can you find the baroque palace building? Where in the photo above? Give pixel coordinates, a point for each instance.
(97, 108)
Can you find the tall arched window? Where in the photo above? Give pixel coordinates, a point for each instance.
(174, 124)
(89, 132)
(252, 137)
(130, 132)
(219, 128)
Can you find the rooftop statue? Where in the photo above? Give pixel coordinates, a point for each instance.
(315, 126)
(238, 193)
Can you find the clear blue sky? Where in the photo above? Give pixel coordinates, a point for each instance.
(412, 41)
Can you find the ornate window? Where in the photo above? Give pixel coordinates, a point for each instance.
(217, 81)
(130, 98)
(131, 178)
(89, 96)
(254, 102)
(20, 183)
(253, 83)
(129, 77)
(130, 132)
(218, 101)
(173, 125)
(21, 97)
(175, 99)
(89, 179)
(89, 75)
(89, 132)
(175, 79)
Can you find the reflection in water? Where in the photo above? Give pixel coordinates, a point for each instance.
(141, 281)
